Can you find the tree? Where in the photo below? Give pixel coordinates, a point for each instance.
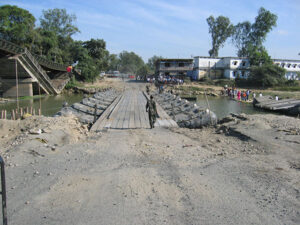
(151, 63)
(113, 62)
(16, 25)
(143, 72)
(268, 75)
(258, 56)
(58, 21)
(220, 29)
(247, 36)
(130, 62)
(97, 50)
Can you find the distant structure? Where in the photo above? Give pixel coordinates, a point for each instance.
(179, 68)
(218, 67)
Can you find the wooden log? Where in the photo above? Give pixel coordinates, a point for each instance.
(31, 110)
(5, 114)
(27, 111)
(21, 112)
(40, 112)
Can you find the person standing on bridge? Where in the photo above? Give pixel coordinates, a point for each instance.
(152, 112)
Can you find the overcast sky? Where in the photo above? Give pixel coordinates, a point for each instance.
(172, 28)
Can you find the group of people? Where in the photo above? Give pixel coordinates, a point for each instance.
(165, 80)
(240, 95)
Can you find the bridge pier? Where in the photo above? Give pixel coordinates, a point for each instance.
(9, 87)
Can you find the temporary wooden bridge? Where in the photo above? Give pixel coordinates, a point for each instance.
(128, 111)
(289, 106)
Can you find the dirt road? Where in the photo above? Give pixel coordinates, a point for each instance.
(244, 171)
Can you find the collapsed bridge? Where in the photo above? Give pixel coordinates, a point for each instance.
(25, 74)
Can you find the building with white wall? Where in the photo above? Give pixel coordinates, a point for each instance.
(233, 67)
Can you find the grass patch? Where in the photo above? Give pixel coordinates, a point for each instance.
(73, 83)
(31, 97)
(287, 88)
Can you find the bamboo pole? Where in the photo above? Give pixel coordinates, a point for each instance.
(40, 110)
(21, 112)
(13, 115)
(208, 106)
(17, 82)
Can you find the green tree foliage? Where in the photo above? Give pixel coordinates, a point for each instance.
(247, 36)
(258, 56)
(220, 29)
(97, 50)
(16, 25)
(59, 21)
(113, 62)
(143, 72)
(130, 62)
(267, 75)
(62, 24)
(151, 63)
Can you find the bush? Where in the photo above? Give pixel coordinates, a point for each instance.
(268, 75)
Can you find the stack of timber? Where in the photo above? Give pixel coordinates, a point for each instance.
(89, 109)
(286, 106)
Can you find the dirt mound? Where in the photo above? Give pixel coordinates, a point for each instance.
(61, 130)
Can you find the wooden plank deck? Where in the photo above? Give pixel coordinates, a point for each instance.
(129, 112)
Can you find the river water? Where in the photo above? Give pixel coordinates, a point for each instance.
(50, 104)
(222, 106)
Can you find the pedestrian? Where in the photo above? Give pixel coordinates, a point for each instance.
(244, 95)
(152, 112)
(239, 95)
(247, 94)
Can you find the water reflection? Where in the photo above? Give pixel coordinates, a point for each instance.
(50, 104)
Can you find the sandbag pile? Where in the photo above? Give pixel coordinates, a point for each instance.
(85, 110)
(185, 113)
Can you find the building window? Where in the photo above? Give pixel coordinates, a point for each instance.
(167, 64)
(295, 65)
(244, 64)
(235, 63)
(243, 73)
(181, 64)
(289, 65)
(282, 64)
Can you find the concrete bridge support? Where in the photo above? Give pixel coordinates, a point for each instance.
(24, 87)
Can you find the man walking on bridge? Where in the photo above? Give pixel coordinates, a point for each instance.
(152, 112)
